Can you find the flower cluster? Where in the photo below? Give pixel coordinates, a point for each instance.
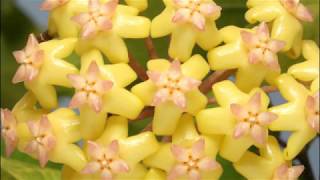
(185, 133)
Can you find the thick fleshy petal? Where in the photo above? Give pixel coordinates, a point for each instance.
(31, 147)
(44, 125)
(181, 15)
(91, 168)
(276, 45)
(175, 69)
(295, 171)
(77, 81)
(198, 148)
(180, 153)
(188, 84)
(20, 75)
(20, 56)
(43, 156)
(103, 85)
(181, 3)
(310, 104)
(254, 104)
(109, 7)
(104, 24)
(119, 166)
(95, 102)
(304, 13)
(194, 175)
(263, 31)
(266, 118)
(259, 134)
(209, 9)
(239, 112)
(313, 121)
(78, 99)
(255, 55)
(241, 129)
(198, 20)
(208, 163)
(10, 142)
(155, 77)
(113, 149)
(95, 150)
(93, 72)
(177, 171)
(33, 128)
(161, 96)
(81, 18)
(94, 5)
(249, 39)
(179, 99)
(271, 60)
(32, 44)
(89, 29)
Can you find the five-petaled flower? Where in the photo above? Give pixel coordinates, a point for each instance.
(252, 120)
(49, 5)
(194, 11)
(43, 140)
(289, 173)
(105, 160)
(30, 58)
(172, 85)
(298, 10)
(261, 47)
(90, 88)
(191, 161)
(98, 18)
(8, 130)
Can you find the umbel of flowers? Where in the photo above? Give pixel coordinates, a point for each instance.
(188, 127)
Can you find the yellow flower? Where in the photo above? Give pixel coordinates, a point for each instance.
(39, 66)
(251, 51)
(189, 22)
(309, 69)
(155, 174)
(51, 137)
(270, 165)
(99, 27)
(100, 89)
(190, 155)
(172, 89)
(284, 16)
(299, 116)
(130, 151)
(242, 118)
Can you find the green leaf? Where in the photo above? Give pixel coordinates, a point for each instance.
(21, 170)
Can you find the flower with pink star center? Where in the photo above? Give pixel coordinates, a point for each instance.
(105, 160)
(195, 12)
(284, 172)
(261, 47)
(90, 88)
(192, 161)
(49, 5)
(30, 58)
(99, 17)
(298, 10)
(8, 130)
(43, 141)
(312, 109)
(252, 120)
(172, 85)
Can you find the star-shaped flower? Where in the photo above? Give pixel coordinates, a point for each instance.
(40, 64)
(9, 130)
(190, 155)
(173, 89)
(30, 58)
(122, 153)
(43, 140)
(90, 88)
(270, 164)
(250, 51)
(105, 160)
(309, 69)
(284, 16)
(299, 116)
(49, 5)
(189, 22)
(100, 89)
(242, 118)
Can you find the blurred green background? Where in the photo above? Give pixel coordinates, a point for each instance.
(19, 18)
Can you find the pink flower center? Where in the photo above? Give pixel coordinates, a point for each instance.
(312, 111)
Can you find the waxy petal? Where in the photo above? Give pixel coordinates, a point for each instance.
(95, 102)
(255, 55)
(90, 168)
(263, 31)
(106, 175)
(161, 96)
(94, 150)
(31, 147)
(93, 72)
(25, 73)
(194, 175)
(176, 171)
(174, 71)
(259, 134)
(313, 121)
(32, 44)
(155, 77)
(11, 141)
(89, 29)
(81, 18)
(77, 81)
(78, 99)
(310, 104)
(271, 60)
(295, 171)
(198, 20)
(103, 86)
(7, 118)
(49, 5)
(304, 13)
(104, 24)
(33, 128)
(188, 84)
(198, 149)
(20, 56)
(179, 99)
(119, 166)
(276, 45)
(43, 156)
(249, 39)
(113, 149)
(109, 7)
(254, 103)
(44, 125)
(181, 3)
(241, 129)
(208, 163)
(180, 153)
(281, 172)
(94, 5)
(182, 15)
(209, 9)
(239, 112)
(266, 118)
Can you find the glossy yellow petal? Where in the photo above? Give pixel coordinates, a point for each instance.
(271, 77)
(139, 4)
(162, 24)
(297, 141)
(196, 101)
(126, 10)
(117, 53)
(155, 174)
(227, 93)
(212, 144)
(260, 12)
(250, 76)
(215, 121)
(186, 130)
(214, 175)
(272, 151)
(131, 26)
(156, 160)
(210, 31)
(315, 85)
(196, 67)
(145, 91)
(183, 39)
(138, 172)
(121, 74)
(159, 65)
(92, 123)
(233, 149)
(136, 148)
(166, 118)
(116, 128)
(310, 50)
(120, 101)
(230, 34)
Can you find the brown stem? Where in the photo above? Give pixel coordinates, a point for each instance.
(151, 49)
(269, 89)
(166, 139)
(146, 112)
(215, 77)
(44, 36)
(140, 70)
(147, 128)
